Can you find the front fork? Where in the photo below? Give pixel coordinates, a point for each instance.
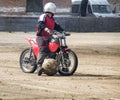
(63, 59)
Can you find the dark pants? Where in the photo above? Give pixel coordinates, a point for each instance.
(43, 43)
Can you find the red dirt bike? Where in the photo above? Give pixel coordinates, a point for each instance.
(66, 58)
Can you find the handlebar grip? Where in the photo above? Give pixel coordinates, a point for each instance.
(67, 34)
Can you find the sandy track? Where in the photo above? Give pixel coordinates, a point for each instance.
(97, 76)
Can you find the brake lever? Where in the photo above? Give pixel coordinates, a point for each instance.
(67, 34)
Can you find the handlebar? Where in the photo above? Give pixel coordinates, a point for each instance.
(67, 34)
(61, 35)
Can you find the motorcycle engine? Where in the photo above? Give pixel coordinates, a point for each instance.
(50, 66)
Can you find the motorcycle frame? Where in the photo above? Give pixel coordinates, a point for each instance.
(34, 47)
(62, 46)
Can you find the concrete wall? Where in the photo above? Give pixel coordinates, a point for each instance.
(73, 24)
(20, 6)
(12, 6)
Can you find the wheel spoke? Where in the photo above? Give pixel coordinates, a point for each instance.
(27, 64)
(70, 63)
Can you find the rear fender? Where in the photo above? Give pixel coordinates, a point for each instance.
(27, 38)
(34, 45)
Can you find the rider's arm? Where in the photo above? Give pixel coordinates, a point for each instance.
(58, 28)
(41, 24)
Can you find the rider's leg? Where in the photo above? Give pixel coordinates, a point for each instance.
(41, 56)
(40, 60)
(42, 52)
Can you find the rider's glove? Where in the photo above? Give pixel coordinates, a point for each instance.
(54, 36)
(49, 31)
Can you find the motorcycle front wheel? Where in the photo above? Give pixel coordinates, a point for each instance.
(70, 63)
(27, 61)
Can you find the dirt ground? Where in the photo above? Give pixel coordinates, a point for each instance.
(97, 76)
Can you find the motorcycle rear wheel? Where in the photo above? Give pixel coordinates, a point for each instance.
(72, 63)
(26, 62)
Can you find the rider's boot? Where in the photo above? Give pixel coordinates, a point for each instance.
(39, 71)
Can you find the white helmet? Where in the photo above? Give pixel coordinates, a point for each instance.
(50, 7)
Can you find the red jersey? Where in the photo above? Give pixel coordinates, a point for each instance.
(49, 23)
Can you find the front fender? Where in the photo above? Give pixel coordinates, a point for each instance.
(66, 49)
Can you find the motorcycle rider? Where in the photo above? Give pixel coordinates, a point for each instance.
(46, 25)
